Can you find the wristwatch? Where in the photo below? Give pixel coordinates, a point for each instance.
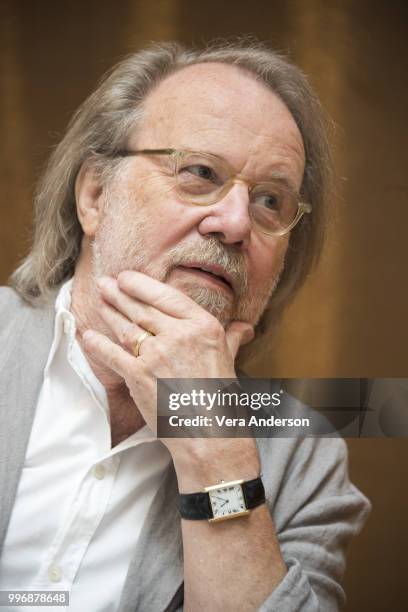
(226, 500)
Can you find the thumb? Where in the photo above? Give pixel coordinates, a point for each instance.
(238, 333)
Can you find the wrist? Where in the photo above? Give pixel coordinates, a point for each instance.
(225, 500)
(214, 460)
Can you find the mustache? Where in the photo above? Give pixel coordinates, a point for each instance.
(212, 251)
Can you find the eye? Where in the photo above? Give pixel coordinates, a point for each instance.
(270, 201)
(201, 171)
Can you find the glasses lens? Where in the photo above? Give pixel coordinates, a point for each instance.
(200, 178)
(273, 208)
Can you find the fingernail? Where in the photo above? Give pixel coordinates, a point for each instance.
(104, 281)
(249, 335)
(87, 335)
(124, 276)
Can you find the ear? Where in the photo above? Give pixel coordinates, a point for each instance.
(88, 192)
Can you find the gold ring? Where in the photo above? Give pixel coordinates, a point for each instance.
(138, 343)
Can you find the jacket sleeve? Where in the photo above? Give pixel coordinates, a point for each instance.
(316, 510)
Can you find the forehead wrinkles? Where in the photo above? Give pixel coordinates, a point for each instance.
(224, 110)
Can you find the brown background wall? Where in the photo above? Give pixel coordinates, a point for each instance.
(350, 319)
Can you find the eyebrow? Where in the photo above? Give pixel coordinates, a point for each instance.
(281, 177)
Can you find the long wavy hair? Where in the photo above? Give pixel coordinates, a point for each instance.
(102, 126)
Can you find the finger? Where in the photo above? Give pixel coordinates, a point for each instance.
(117, 359)
(125, 331)
(167, 299)
(109, 353)
(237, 334)
(135, 310)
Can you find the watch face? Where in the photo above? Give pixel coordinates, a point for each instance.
(227, 501)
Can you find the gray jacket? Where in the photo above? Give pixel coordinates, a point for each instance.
(314, 506)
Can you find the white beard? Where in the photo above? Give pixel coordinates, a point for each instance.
(123, 242)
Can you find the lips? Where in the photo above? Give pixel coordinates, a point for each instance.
(212, 271)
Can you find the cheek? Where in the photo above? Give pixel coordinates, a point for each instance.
(171, 222)
(268, 259)
(149, 211)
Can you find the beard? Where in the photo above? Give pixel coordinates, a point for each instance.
(124, 241)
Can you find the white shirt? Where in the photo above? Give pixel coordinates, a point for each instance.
(80, 504)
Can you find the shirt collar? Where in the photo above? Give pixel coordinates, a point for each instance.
(65, 324)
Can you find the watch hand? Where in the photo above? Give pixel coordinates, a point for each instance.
(222, 499)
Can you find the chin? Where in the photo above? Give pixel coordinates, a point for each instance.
(216, 303)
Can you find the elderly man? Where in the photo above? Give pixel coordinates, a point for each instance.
(186, 197)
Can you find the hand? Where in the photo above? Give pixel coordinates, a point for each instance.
(188, 342)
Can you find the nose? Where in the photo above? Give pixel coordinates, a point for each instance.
(229, 218)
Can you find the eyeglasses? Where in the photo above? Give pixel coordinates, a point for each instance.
(204, 179)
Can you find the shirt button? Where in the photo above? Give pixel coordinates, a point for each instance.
(54, 573)
(99, 472)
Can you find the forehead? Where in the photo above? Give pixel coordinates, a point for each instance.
(224, 110)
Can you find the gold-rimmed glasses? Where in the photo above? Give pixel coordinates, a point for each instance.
(204, 179)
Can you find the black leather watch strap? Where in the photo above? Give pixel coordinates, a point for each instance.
(254, 493)
(197, 506)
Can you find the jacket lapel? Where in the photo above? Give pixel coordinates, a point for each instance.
(26, 343)
(155, 576)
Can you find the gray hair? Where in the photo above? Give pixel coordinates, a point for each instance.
(102, 126)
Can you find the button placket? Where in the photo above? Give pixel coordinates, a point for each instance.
(64, 549)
